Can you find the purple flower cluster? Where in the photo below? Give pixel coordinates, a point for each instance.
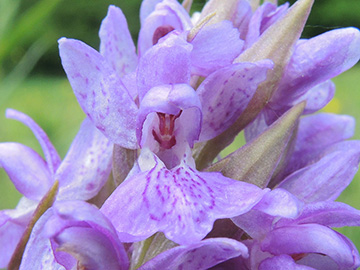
(139, 188)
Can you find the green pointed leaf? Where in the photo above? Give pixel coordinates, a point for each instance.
(276, 44)
(256, 161)
(45, 203)
(187, 5)
(224, 10)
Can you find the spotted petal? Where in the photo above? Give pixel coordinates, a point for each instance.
(86, 166)
(181, 202)
(100, 92)
(225, 94)
(116, 44)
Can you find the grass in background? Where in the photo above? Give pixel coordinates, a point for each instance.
(51, 103)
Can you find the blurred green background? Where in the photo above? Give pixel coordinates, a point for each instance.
(32, 79)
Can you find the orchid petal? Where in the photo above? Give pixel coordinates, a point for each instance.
(282, 262)
(330, 214)
(91, 248)
(328, 177)
(116, 43)
(80, 230)
(321, 130)
(26, 169)
(202, 255)
(100, 92)
(51, 156)
(315, 133)
(311, 238)
(168, 62)
(317, 97)
(211, 50)
(225, 94)
(12, 226)
(260, 220)
(280, 202)
(38, 253)
(181, 202)
(317, 60)
(168, 15)
(86, 166)
(10, 235)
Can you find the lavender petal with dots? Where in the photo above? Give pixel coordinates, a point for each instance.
(180, 202)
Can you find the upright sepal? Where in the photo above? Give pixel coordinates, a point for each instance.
(116, 44)
(100, 92)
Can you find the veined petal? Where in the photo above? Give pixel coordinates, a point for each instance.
(100, 92)
(168, 15)
(326, 178)
(201, 255)
(26, 169)
(225, 94)
(181, 202)
(168, 62)
(211, 47)
(317, 60)
(116, 44)
(311, 238)
(51, 156)
(86, 166)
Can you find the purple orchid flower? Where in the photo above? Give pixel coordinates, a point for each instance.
(167, 123)
(323, 162)
(81, 175)
(308, 73)
(304, 242)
